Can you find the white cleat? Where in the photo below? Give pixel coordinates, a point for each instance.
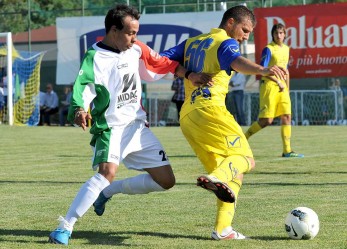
(227, 233)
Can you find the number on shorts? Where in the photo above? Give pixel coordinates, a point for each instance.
(163, 154)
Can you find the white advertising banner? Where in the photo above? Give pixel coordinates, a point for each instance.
(159, 31)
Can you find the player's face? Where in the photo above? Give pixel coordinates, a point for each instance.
(125, 38)
(279, 36)
(240, 31)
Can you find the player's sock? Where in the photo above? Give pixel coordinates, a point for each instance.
(226, 211)
(140, 184)
(286, 132)
(85, 198)
(255, 127)
(231, 167)
(227, 172)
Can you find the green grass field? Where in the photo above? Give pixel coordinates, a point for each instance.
(42, 169)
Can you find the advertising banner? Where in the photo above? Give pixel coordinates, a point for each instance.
(159, 31)
(316, 35)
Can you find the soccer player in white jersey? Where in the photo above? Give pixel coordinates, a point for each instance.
(110, 78)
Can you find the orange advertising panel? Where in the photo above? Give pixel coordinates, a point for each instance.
(316, 35)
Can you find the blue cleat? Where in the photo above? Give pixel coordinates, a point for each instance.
(99, 204)
(292, 154)
(60, 236)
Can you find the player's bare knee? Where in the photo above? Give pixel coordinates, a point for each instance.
(252, 162)
(240, 177)
(168, 182)
(108, 170)
(263, 122)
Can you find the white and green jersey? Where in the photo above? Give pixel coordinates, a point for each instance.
(110, 82)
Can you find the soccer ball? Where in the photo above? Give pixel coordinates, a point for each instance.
(302, 223)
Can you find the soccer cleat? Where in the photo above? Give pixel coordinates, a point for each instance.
(99, 204)
(62, 234)
(228, 233)
(292, 154)
(220, 189)
(59, 236)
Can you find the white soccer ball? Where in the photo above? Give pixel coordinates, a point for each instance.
(302, 223)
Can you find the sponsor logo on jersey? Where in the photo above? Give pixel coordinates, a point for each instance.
(233, 141)
(204, 92)
(129, 92)
(122, 66)
(100, 152)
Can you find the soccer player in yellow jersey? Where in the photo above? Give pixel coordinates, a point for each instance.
(215, 136)
(274, 92)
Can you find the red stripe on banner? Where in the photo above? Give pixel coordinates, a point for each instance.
(316, 35)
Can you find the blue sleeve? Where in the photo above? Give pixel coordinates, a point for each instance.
(265, 57)
(227, 52)
(175, 53)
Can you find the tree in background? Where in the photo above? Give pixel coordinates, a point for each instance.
(14, 14)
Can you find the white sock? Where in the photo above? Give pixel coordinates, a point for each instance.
(85, 198)
(140, 184)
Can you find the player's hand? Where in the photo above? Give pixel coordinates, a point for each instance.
(280, 85)
(81, 119)
(200, 79)
(277, 71)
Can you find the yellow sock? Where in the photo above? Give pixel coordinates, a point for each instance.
(286, 132)
(228, 172)
(255, 127)
(231, 167)
(225, 210)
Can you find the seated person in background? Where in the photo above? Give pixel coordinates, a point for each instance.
(64, 109)
(50, 105)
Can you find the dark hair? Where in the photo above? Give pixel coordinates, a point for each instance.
(239, 13)
(116, 16)
(278, 26)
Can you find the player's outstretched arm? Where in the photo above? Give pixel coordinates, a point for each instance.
(246, 66)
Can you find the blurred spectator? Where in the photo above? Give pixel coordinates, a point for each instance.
(335, 84)
(42, 97)
(344, 94)
(65, 104)
(178, 97)
(2, 101)
(49, 105)
(237, 84)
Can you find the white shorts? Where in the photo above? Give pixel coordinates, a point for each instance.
(135, 145)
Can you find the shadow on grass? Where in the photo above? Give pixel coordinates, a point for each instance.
(94, 238)
(193, 183)
(295, 173)
(269, 238)
(39, 182)
(181, 156)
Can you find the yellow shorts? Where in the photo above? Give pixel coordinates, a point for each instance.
(273, 103)
(214, 135)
